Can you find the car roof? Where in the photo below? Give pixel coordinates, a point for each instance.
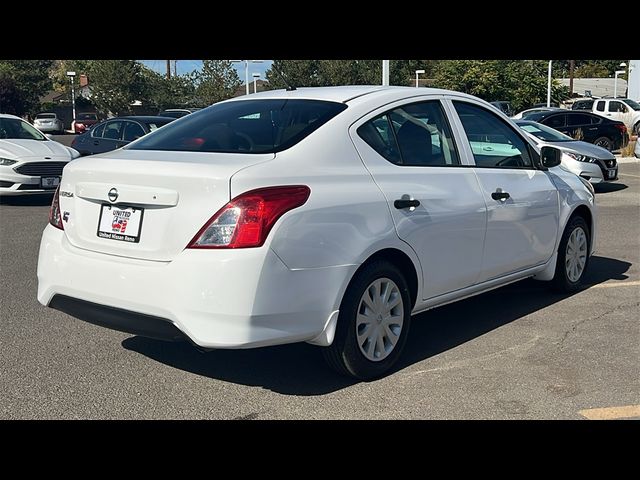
(345, 93)
(7, 115)
(142, 118)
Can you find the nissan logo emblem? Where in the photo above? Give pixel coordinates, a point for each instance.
(113, 195)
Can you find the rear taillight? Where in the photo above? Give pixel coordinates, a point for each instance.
(621, 126)
(246, 220)
(55, 217)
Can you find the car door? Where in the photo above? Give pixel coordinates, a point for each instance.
(522, 201)
(580, 126)
(111, 137)
(132, 131)
(616, 110)
(436, 203)
(557, 121)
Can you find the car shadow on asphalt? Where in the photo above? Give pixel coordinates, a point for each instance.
(299, 369)
(39, 200)
(609, 187)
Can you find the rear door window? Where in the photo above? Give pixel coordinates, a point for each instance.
(113, 130)
(98, 131)
(132, 131)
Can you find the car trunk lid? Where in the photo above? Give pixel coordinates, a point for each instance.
(158, 200)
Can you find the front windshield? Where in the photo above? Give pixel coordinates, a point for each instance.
(633, 104)
(14, 128)
(543, 132)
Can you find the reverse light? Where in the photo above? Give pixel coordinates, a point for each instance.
(7, 161)
(55, 217)
(246, 220)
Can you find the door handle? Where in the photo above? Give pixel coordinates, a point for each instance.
(404, 203)
(500, 195)
(488, 149)
(96, 142)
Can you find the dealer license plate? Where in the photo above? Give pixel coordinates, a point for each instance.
(120, 223)
(49, 182)
(611, 174)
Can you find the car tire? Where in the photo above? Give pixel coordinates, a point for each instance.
(636, 129)
(352, 353)
(573, 256)
(604, 142)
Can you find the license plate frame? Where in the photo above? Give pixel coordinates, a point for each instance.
(120, 223)
(611, 174)
(49, 182)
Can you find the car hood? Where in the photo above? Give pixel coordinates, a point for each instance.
(17, 149)
(579, 147)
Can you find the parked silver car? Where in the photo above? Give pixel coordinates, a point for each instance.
(586, 160)
(48, 122)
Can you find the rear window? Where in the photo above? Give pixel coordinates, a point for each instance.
(87, 116)
(247, 126)
(46, 115)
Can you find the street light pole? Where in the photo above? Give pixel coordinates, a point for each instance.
(549, 85)
(418, 72)
(246, 71)
(385, 72)
(71, 76)
(256, 76)
(615, 79)
(615, 82)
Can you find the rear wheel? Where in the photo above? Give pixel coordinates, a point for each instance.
(573, 256)
(636, 129)
(603, 142)
(373, 323)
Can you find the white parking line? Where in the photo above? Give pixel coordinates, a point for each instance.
(633, 283)
(629, 175)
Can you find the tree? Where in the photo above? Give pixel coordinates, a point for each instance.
(297, 73)
(115, 84)
(10, 100)
(217, 81)
(163, 92)
(523, 83)
(31, 81)
(313, 73)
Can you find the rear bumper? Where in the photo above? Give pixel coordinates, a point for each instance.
(238, 298)
(117, 319)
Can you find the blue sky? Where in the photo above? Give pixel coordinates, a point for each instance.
(186, 66)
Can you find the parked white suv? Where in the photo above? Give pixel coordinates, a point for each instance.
(320, 215)
(622, 109)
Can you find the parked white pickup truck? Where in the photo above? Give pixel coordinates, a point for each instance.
(622, 109)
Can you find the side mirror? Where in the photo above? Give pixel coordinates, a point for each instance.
(550, 156)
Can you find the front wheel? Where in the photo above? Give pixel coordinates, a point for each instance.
(573, 256)
(373, 323)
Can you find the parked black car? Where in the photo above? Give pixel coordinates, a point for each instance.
(504, 107)
(116, 132)
(583, 104)
(601, 131)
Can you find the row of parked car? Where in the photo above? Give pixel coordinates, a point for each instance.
(49, 122)
(31, 163)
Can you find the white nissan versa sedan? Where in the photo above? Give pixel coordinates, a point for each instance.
(320, 215)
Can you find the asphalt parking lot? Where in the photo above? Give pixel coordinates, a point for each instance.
(520, 352)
